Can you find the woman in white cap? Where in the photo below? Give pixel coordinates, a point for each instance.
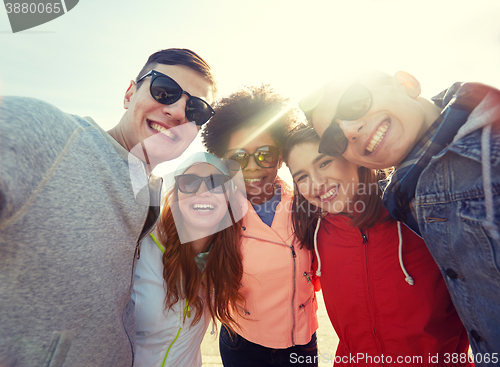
(190, 267)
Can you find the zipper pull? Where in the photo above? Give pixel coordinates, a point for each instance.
(138, 251)
(303, 307)
(244, 311)
(307, 277)
(365, 239)
(293, 252)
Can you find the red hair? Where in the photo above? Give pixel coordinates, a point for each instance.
(217, 286)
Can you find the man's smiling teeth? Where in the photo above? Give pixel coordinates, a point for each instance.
(328, 194)
(162, 130)
(377, 137)
(203, 207)
(252, 180)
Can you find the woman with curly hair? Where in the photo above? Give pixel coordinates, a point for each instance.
(190, 268)
(277, 322)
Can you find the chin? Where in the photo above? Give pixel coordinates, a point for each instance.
(385, 164)
(164, 153)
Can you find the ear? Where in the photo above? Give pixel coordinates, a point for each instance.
(128, 94)
(409, 82)
(280, 162)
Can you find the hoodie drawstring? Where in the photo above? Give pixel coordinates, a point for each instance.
(318, 272)
(408, 278)
(488, 224)
(485, 114)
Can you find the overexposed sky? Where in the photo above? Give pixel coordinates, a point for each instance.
(83, 61)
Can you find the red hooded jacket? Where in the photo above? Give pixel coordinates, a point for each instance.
(379, 317)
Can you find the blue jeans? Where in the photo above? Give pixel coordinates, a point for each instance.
(450, 207)
(236, 351)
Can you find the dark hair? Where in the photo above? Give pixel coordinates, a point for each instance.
(250, 107)
(180, 56)
(304, 214)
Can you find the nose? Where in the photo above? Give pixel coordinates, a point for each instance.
(252, 164)
(318, 182)
(177, 110)
(352, 129)
(203, 190)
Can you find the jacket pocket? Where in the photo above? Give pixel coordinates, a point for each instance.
(244, 311)
(476, 239)
(58, 349)
(302, 306)
(309, 276)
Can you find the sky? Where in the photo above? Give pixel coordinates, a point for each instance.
(83, 62)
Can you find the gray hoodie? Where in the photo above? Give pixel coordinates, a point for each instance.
(70, 225)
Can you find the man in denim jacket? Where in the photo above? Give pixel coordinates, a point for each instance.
(447, 183)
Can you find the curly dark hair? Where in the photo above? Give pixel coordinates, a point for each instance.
(250, 107)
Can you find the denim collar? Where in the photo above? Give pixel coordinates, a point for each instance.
(457, 103)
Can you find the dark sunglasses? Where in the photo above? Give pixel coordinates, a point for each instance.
(165, 90)
(265, 157)
(354, 103)
(190, 183)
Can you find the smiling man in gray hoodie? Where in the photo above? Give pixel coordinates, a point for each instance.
(75, 201)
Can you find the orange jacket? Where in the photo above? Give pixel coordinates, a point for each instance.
(280, 304)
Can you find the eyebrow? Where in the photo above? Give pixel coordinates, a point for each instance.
(315, 160)
(319, 157)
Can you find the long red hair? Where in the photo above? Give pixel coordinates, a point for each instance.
(217, 287)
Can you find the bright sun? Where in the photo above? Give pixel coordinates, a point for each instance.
(309, 42)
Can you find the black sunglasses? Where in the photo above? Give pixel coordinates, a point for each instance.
(190, 183)
(354, 103)
(266, 157)
(165, 90)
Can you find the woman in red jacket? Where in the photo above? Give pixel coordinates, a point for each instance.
(384, 294)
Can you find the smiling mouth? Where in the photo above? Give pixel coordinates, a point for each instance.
(162, 130)
(203, 207)
(377, 137)
(253, 180)
(329, 193)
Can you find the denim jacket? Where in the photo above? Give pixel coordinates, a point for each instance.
(457, 207)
